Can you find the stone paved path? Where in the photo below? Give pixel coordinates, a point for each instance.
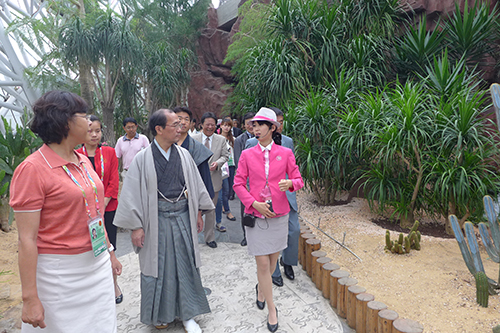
(230, 275)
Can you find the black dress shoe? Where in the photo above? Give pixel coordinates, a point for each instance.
(231, 197)
(244, 242)
(278, 281)
(272, 328)
(288, 270)
(260, 304)
(212, 244)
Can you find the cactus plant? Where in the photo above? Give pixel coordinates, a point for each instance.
(470, 250)
(404, 243)
(482, 286)
(496, 329)
(388, 242)
(492, 249)
(415, 227)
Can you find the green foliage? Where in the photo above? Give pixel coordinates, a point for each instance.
(252, 29)
(472, 32)
(304, 44)
(119, 48)
(417, 47)
(15, 146)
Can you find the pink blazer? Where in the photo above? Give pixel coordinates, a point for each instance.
(252, 166)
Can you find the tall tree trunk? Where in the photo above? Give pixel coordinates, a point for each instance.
(86, 84)
(108, 122)
(85, 78)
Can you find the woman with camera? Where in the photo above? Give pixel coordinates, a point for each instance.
(266, 167)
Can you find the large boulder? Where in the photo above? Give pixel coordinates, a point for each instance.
(210, 83)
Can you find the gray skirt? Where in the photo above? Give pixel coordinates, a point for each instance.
(268, 236)
(177, 293)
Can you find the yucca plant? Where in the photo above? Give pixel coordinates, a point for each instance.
(471, 33)
(461, 171)
(15, 146)
(399, 144)
(416, 48)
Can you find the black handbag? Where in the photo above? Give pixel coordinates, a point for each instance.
(249, 220)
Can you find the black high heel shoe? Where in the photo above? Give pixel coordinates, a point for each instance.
(273, 328)
(260, 304)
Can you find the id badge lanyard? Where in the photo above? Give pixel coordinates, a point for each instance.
(102, 161)
(95, 225)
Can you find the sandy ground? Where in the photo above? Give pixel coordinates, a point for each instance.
(431, 286)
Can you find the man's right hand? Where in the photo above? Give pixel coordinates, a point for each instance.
(138, 237)
(33, 313)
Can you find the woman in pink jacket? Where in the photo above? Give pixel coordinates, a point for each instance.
(266, 167)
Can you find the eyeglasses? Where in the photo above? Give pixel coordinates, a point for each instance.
(175, 125)
(87, 116)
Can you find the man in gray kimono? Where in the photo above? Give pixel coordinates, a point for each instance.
(160, 200)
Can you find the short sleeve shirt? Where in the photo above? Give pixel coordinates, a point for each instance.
(41, 184)
(126, 149)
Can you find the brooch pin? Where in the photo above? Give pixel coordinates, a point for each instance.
(278, 158)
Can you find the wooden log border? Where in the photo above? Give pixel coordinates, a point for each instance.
(369, 315)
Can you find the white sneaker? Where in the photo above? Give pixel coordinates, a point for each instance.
(191, 326)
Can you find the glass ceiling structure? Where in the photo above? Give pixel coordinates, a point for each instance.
(16, 95)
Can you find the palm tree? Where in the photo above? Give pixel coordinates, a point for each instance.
(107, 45)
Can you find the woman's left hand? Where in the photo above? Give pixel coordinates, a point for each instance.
(116, 266)
(285, 185)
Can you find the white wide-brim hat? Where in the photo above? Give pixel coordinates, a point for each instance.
(266, 114)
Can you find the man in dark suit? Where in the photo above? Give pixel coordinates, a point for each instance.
(239, 145)
(236, 130)
(217, 144)
(290, 255)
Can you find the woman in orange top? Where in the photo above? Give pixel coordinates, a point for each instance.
(66, 274)
(105, 163)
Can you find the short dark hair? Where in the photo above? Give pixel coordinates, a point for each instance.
(178, 109)
(248, 115)
(52, 113)
(129, 120)
(208, 115)
(193, 120)
(95, 118)
(277, 111)
(158, 118)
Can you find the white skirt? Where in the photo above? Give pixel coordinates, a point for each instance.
(77, 293)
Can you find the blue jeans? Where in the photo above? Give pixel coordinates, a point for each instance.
(223, 199)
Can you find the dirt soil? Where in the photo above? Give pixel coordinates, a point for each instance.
(431, 286)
